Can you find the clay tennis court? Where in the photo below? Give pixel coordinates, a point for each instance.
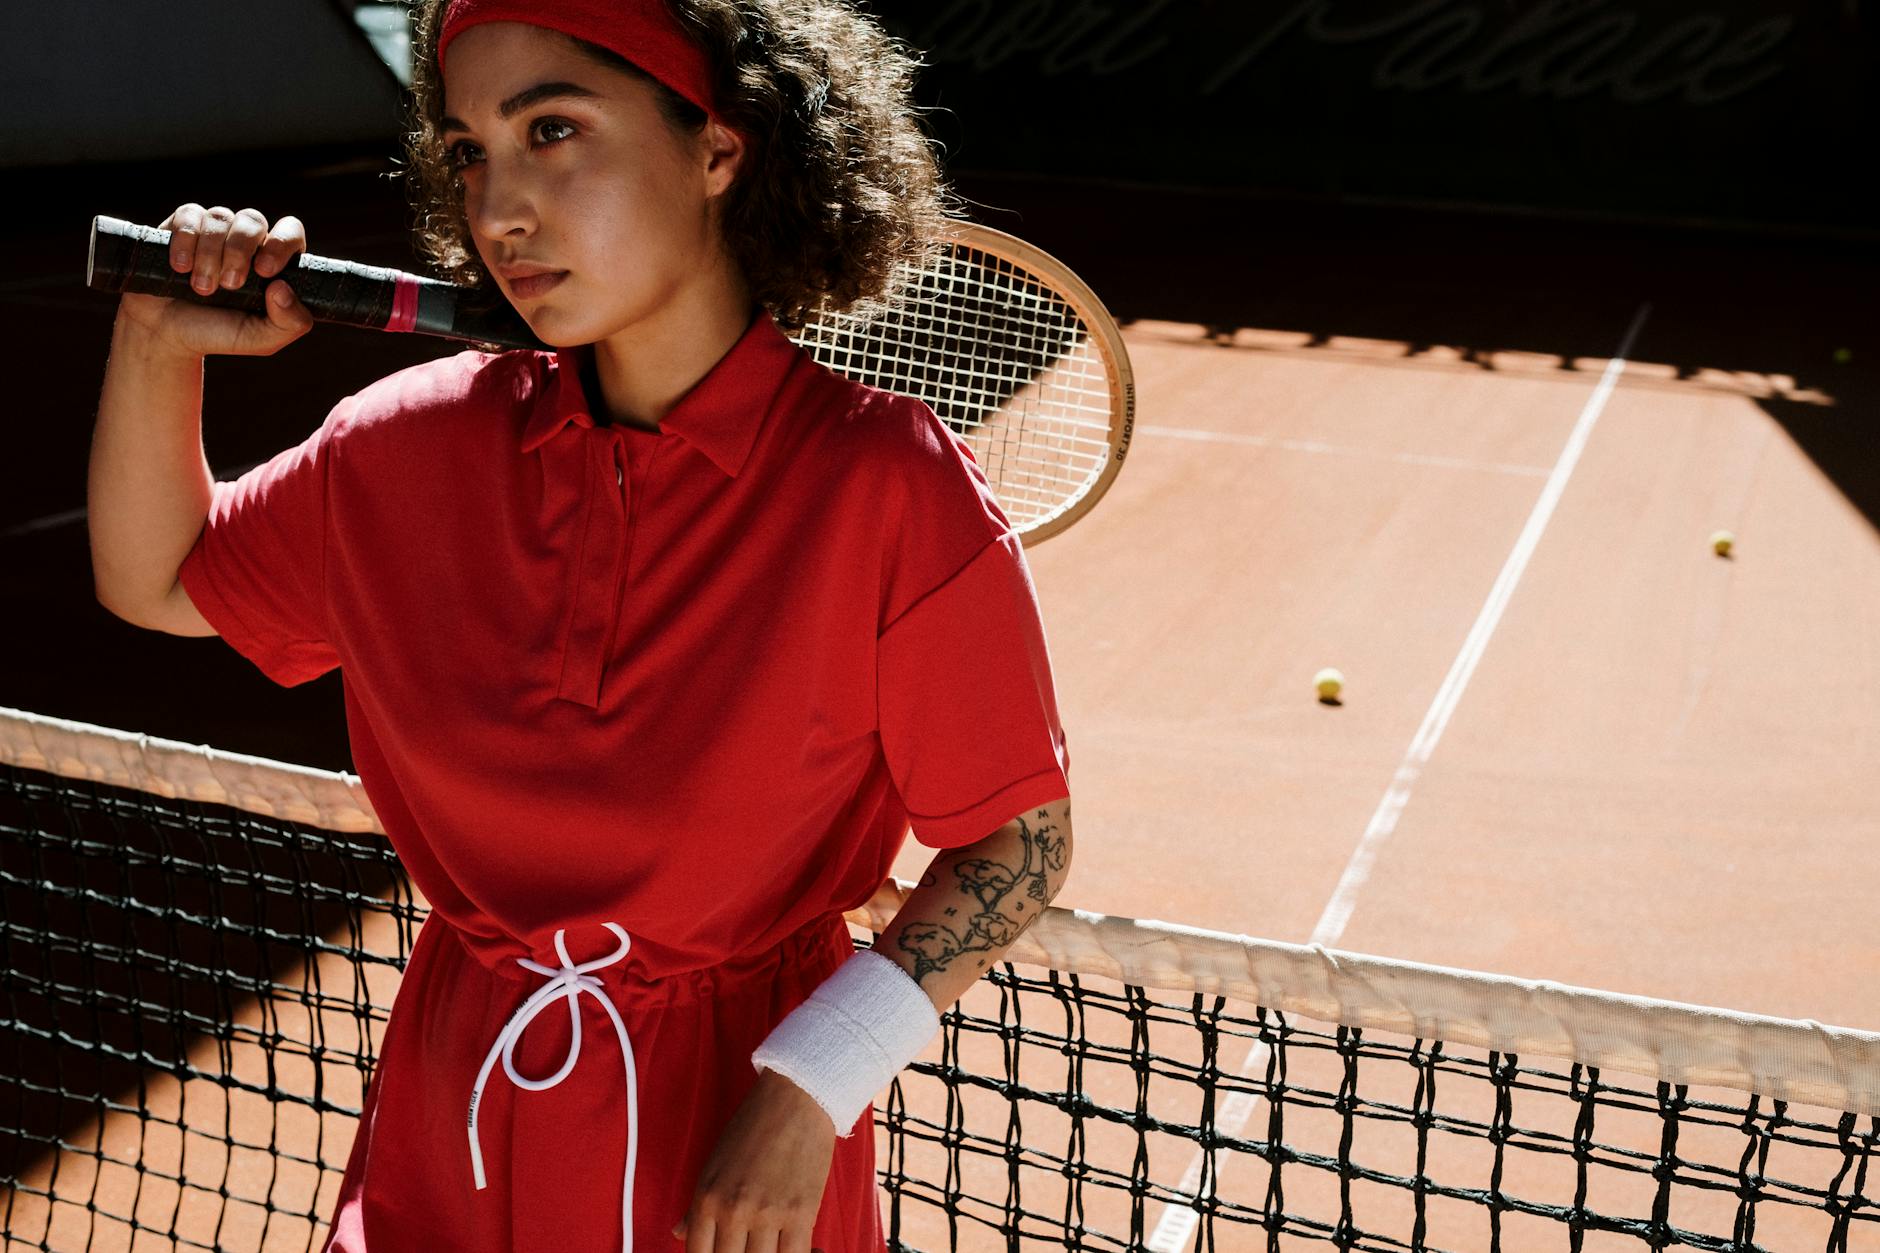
(1654, 777)
(1472, 463)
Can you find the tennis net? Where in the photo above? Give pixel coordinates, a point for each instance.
(201, 951)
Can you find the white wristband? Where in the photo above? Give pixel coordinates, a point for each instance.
(852, 1036)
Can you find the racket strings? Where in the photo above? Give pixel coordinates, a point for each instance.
(1003, 358)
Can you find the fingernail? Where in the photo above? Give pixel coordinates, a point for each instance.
(231, 278)
(279, 295)
(182, 260)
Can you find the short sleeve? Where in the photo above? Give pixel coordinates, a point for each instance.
(256, 572)
(966, 703)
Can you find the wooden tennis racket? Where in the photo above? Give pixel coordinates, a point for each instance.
(1004, 341)
(1017, 354)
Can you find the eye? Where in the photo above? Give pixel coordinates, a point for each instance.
(460, 158)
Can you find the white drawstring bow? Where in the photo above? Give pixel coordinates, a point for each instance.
(567, 983)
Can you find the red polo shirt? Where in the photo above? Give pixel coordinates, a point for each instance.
(696, 682)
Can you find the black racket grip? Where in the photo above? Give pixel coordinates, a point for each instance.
(126, 257)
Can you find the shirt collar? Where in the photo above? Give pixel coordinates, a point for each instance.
(720, 416)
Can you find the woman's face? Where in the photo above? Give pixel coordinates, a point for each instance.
(591, 180)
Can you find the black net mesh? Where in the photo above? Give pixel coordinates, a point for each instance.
(1076, 1111)
(192, 999)
(190, 1006)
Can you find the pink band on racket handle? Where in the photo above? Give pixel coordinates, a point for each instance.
(126, 257)
(404, 303)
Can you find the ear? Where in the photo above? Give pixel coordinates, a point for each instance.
(724, 156)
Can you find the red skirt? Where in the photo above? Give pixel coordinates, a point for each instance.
(554, 1159)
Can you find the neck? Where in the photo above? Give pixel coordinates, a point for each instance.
(637, 375)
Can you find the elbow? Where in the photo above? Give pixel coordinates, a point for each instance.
(150, 611)
(117, 604)
(114, 584)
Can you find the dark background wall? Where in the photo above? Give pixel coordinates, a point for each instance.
(126, 80)
(1726, 111)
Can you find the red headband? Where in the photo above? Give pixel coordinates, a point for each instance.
(642, 31)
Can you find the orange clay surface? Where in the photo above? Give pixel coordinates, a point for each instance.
(1659, 779)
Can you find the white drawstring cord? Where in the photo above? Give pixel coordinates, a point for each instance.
(568, 983)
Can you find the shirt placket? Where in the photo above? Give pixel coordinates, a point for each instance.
(598, 570)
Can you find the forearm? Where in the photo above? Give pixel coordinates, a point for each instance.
(149, 486)
(975, 900)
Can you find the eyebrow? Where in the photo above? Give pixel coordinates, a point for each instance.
(528, 96)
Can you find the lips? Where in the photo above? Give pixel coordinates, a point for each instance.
(531, 286)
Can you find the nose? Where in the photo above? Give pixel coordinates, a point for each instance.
(500, 206)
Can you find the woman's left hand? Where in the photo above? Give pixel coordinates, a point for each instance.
(763, 1185)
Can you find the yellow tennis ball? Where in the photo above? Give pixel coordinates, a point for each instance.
(1723, 542)
(1329, 682)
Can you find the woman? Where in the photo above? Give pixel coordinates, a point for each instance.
(652, 645)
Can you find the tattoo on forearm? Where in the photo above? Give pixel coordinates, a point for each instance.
(987, 887)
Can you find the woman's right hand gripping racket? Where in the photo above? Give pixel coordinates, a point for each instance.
(211, 251)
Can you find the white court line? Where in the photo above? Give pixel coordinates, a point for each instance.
(1176, 1224)
(1307, 445)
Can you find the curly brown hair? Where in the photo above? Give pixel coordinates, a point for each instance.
(839, 182)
